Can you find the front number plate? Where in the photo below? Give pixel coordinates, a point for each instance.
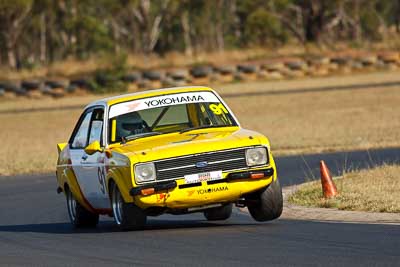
(204, 176)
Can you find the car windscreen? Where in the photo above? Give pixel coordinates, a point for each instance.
(165, 114)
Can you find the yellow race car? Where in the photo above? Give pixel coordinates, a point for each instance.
(174, 150)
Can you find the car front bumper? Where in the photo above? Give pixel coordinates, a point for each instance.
(178, 195)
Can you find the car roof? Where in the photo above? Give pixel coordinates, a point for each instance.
(149, 93)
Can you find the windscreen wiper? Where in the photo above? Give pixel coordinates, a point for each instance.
(201, 127)
(137, 136)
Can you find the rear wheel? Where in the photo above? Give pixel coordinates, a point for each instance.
(267, 204)
(78, 215)
(219, 213)
(126, 215)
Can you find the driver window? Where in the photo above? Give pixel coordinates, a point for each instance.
(96, 126)
(80, 138)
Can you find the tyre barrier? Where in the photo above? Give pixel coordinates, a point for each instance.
(132, 77)
(9, 87)
(55, 84)
(104, 78)
(225, 74)
(12, 89)
(247, 72)
(389, 57)
(368, 61)
(273, 66)
(31, 85)
(296, 65)
(132, 80)
(33, 88)
(271, 69)
(178, 75)
(247, 69)
(225, 70)
(200, 71)
(341, 60)
(152, 75)
(55, 88)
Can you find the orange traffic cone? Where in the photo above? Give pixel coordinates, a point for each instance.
(328, 187)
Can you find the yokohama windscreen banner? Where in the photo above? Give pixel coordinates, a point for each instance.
(162, 101)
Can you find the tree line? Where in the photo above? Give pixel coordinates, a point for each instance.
(36, 32)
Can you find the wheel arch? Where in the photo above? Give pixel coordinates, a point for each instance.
(72, 185)
(123, 187)
(65, 188)
(110, 184)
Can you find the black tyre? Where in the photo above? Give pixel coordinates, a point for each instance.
(200, 71)
(341, 60)
(267, 204)
(296, 65)
(79, 216)
(54, 84)
(126, 215)
(225, 70)
(131, 77)
(152, 75)
(9, 87)
(247, 68)
(81, 83)
(30, 85)
(219, 213)
(178, 75)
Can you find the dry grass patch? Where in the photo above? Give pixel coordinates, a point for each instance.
(375, 190)
(29, 140)
(18, 104)
(318, 121)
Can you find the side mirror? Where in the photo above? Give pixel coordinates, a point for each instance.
(93, 148)
(61, 146)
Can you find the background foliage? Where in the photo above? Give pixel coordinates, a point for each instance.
(36, 32)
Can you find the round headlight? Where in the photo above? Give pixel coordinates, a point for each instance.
(256, 156)
(145, 172)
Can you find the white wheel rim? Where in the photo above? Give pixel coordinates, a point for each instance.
(117, 203)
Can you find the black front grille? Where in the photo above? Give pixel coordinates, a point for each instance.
(220, 160)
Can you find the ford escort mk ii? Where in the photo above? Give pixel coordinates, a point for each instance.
(175, 150)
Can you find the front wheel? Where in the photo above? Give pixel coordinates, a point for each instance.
(126, 215)
(267, 204)
(219, 213)
(78, 215)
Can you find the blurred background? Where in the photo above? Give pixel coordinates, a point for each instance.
(71, 37)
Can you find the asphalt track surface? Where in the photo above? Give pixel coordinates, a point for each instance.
(34, 230)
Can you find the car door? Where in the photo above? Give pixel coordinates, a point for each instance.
(90, 169)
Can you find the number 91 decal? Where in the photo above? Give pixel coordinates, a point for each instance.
(218, 109)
